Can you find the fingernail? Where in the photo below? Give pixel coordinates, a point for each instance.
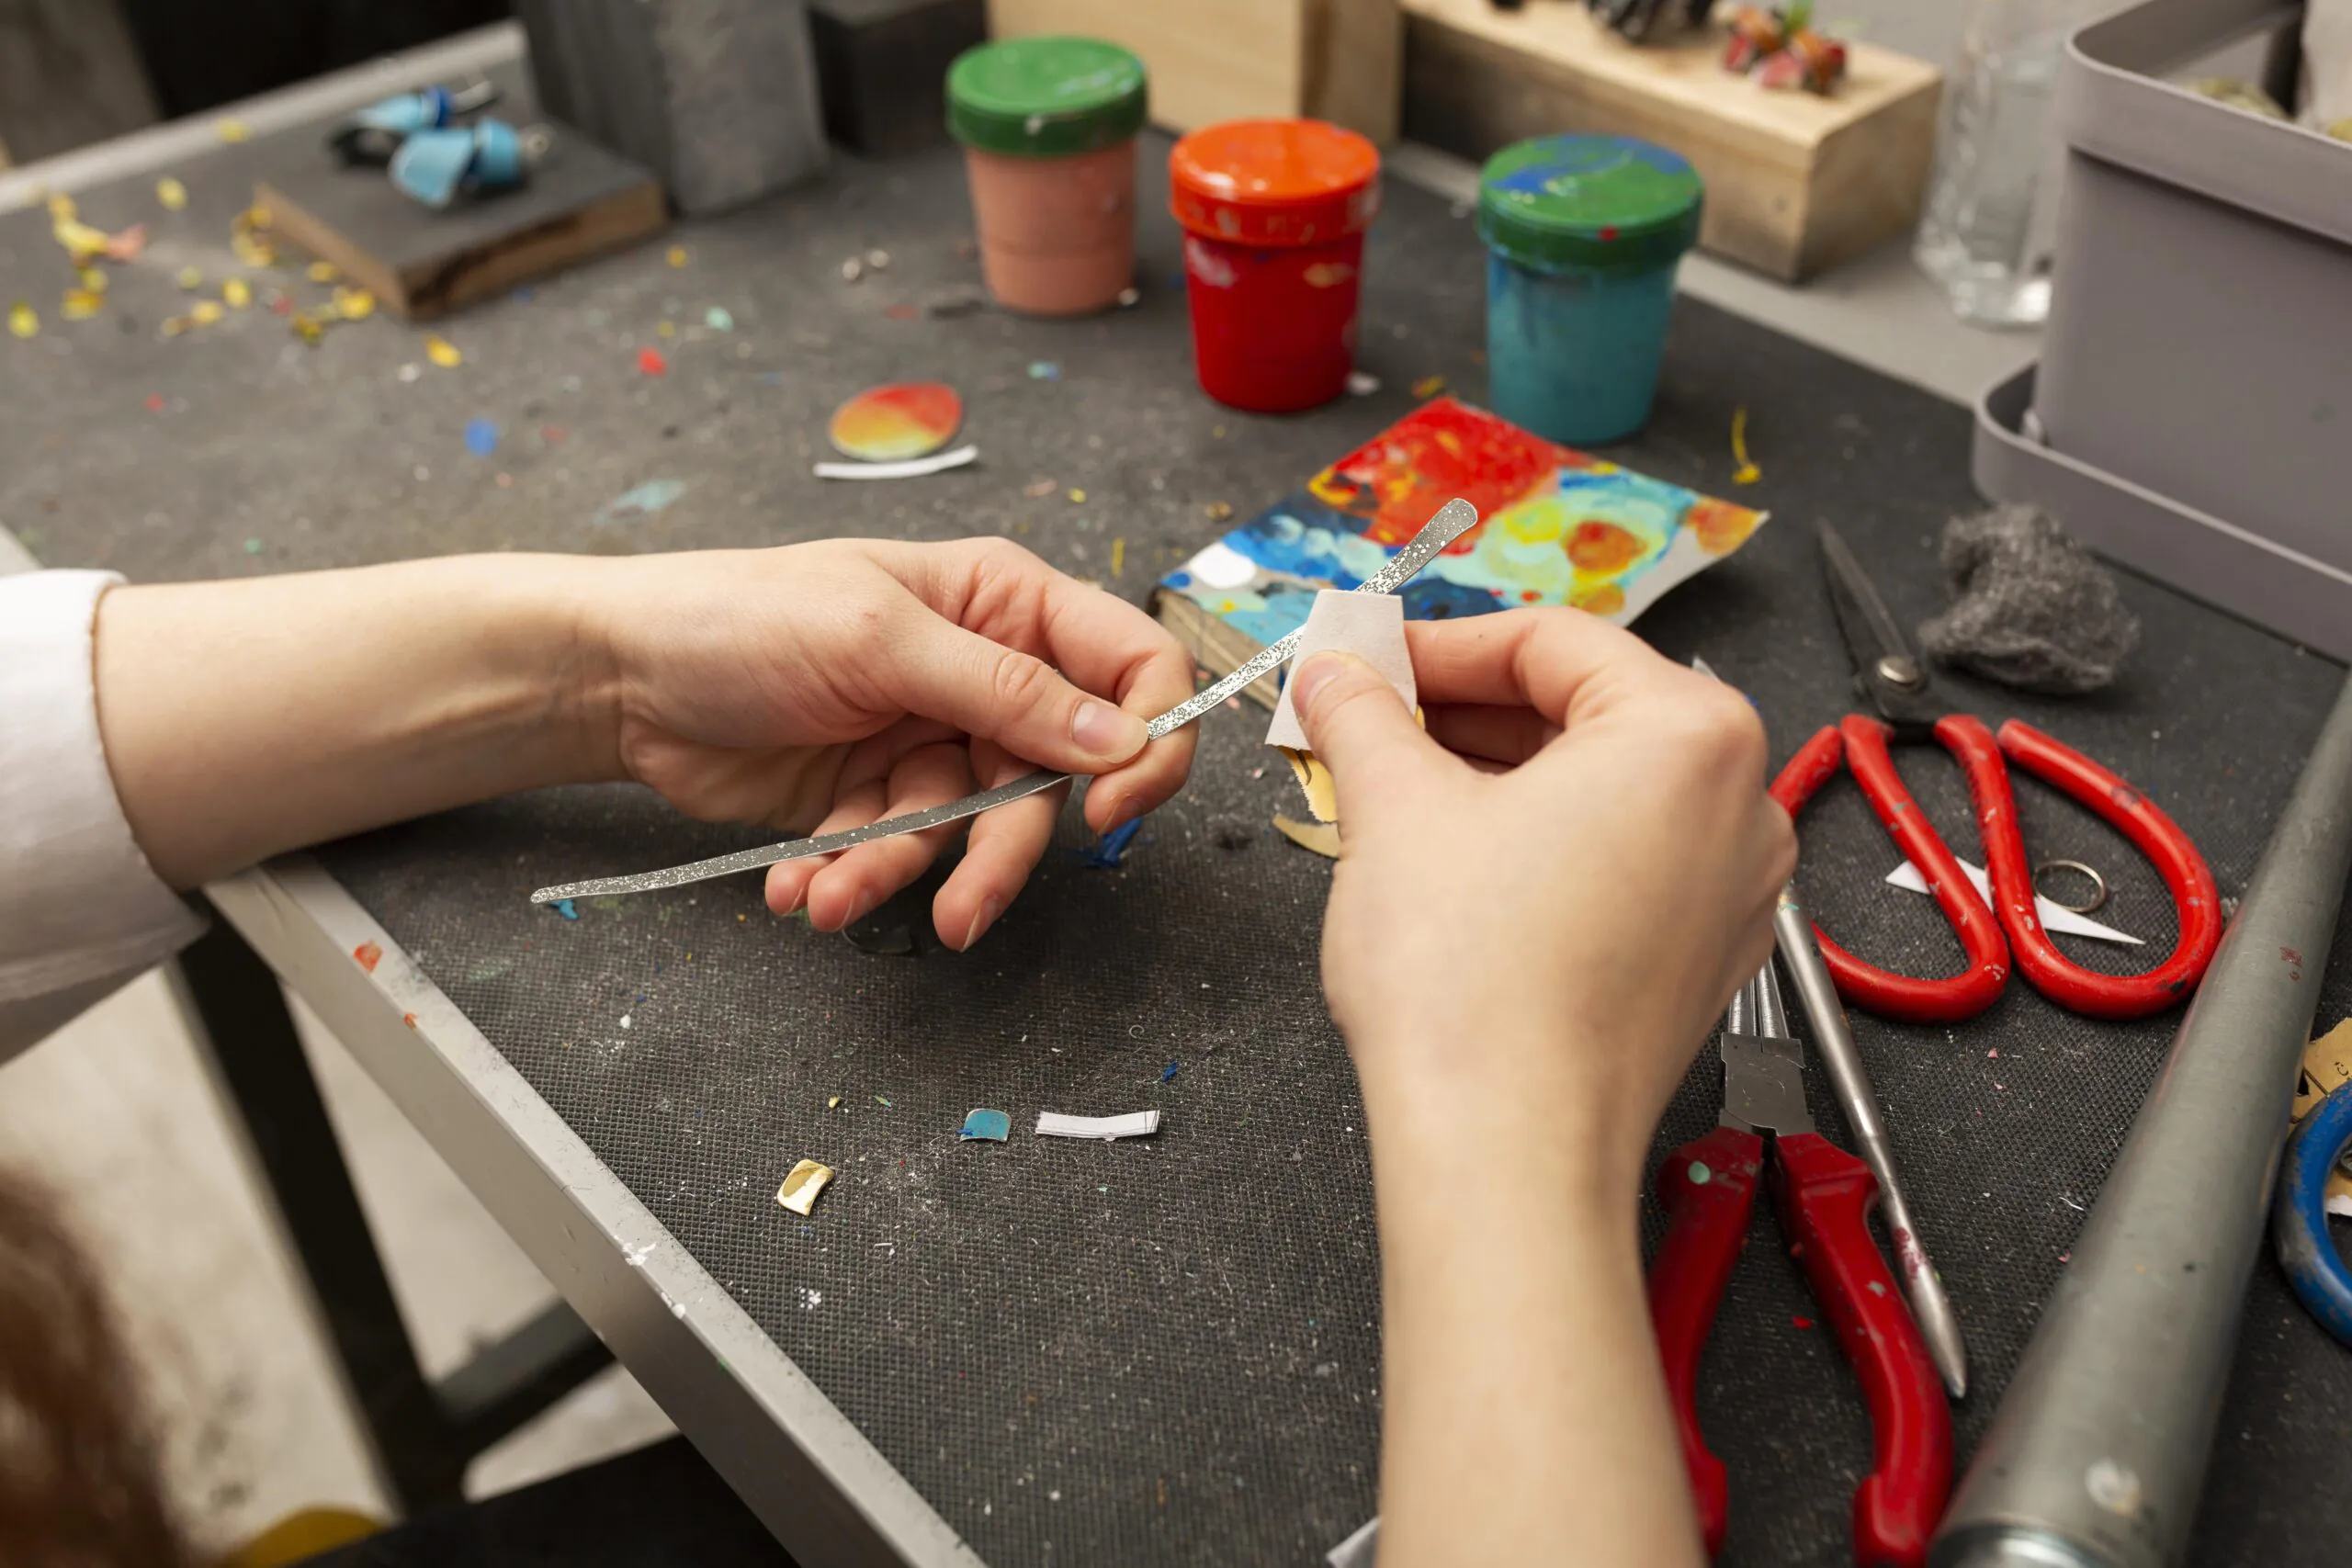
(1107, 731)
(1122, 814)
(990, 909)
(1311, 677)
(859, 908)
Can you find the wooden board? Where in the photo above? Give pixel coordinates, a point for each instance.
(1216, 60)
(422, 264)
(1796, 182)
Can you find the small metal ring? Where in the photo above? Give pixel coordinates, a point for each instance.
(2099, 899)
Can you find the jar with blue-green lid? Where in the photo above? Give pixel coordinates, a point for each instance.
(1584, 234)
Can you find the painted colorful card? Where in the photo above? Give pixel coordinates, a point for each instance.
(1558, 527)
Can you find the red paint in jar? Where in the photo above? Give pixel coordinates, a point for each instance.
(1274, 212)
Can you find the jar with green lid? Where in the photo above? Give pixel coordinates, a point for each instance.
(1049, 127)
(1584, 235)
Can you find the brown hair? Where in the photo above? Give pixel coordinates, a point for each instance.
(80, 1486)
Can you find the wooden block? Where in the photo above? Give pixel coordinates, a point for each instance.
(882, 68)
(1216, 60)
(422, 264)
(718, 98)
(1796, 182)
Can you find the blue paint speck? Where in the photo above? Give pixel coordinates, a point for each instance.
(993, 1125)
(563, 907)
(652, 496)
(1169, 1072)
(1045, 370)
(1104, 855)
(482, 437)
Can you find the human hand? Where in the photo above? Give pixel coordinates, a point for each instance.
(822, 686)
(1545, 901)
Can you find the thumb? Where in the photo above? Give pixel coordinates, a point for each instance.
(1358, 725)
(940, 670)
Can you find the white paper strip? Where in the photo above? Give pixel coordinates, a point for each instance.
(913, 469)
(1909, 878)
(1361, 1549)
(1133, 1125)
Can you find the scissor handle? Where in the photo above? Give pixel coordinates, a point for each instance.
(1825, 1202)
(1860, 744)
(2298, 1222)
(2196, 900)
(1709, 1187)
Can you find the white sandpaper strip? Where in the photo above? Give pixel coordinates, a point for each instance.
(1371, 626)
(913, 469)
(1912, 880)
(1133, 1125)
(1361, 1549)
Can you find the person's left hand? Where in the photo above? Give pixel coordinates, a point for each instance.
(822, 686)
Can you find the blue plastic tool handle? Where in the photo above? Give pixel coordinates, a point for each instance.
(2298, 1222)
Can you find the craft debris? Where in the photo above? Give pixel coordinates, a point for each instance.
(913, 468)
(643, 501)
(677, 257)
(1747, 473)
(993, 1125)
(1106, 852)
(171, 194)
(1323, 838)
(650, 363)
(1362, 383)
(800, 1188)
(1045, 370)
(1428, 387)
(1133, 1125)
(442, 352)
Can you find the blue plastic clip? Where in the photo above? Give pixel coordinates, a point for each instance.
(433, 166)
(2299, 1219)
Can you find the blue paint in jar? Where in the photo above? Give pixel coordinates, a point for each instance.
(1584, 235)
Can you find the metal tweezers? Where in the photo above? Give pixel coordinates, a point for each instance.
(1454, 519)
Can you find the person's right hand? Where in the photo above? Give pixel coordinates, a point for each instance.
(1546, 899)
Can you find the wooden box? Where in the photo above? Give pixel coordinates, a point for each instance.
(1215, 60)
(1796, 182)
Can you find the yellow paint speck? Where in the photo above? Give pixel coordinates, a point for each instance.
(321, 272)
(81, 304)
(237, 293)
(1118, 556)
(189, 278)
(204, 312)
(1078, 498)
(171, 193)
(678, 256)
(355, 304)
(233, 130)
(94, 281)
(443, 353)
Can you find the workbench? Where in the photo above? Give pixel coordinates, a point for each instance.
(1159, 1351)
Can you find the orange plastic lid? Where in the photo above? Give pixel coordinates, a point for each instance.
(1274, 182)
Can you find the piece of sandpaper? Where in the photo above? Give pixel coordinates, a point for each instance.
(1371, 626)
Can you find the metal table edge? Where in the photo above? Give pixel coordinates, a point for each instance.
(811, 1477)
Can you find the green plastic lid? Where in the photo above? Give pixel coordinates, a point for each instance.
(1610, 204)
(1044, 98)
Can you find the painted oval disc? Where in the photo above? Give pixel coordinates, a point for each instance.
(905, 419)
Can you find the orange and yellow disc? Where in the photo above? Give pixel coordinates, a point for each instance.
(905, 419)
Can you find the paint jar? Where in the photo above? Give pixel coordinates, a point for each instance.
(1049, 127)
(1583, 235)
(1274, 212)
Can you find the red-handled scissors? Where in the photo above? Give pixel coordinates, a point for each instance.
(1825, 1197)
(1894, 680)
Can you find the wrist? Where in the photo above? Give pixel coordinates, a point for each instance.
(1565, 1110)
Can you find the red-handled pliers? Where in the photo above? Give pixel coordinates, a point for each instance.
(1894, 680)
(1825, 1197)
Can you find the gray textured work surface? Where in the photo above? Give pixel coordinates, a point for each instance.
(1159, 1351)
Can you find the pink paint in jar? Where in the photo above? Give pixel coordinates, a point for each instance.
(1049, 128)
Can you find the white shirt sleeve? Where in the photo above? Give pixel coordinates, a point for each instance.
(81, 911)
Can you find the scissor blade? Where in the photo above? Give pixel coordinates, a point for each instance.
(1870, 629)
(1763, 1068)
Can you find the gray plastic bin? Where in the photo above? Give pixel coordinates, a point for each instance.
(2198, 355)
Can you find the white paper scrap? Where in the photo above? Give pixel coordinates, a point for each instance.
(1361, 1549)
(1371, 626)
(1911, 880)
(1133, 1125)
(913, 469)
